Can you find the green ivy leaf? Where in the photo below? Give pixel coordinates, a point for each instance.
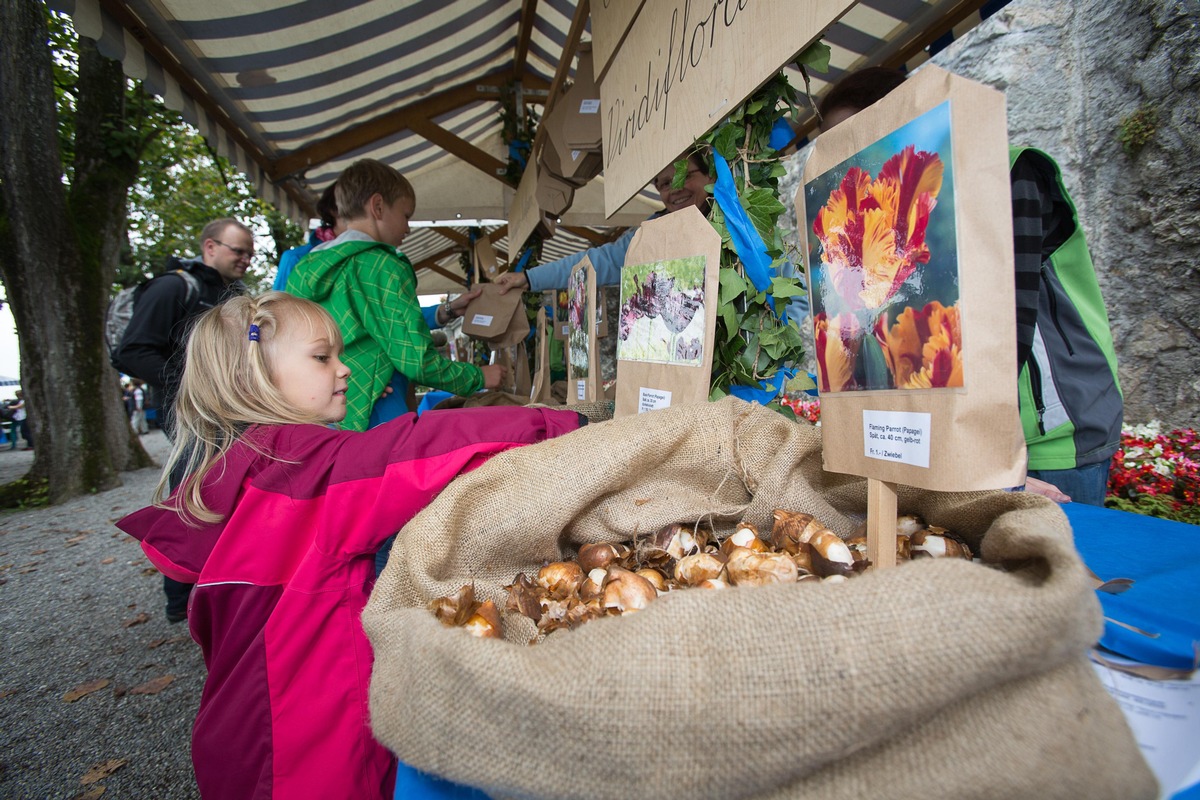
(727, 140)
(733, 286)
(729, 315)
(815, 57)
(763, 208)
(800, 383)
(786, 287)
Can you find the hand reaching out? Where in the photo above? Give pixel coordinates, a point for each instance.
(513, 280)
(494, 376)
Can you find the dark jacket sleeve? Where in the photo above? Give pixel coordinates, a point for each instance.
(149, 341)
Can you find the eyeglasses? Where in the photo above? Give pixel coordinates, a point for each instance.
(663, 185)
(237, 251)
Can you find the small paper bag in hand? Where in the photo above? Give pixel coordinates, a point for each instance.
(540, 391)
(496, 318)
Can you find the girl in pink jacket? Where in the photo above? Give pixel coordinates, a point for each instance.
(277, 522)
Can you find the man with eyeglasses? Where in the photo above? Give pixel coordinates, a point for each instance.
(152, 346)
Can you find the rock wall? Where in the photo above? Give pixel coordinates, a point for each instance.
(1072, 73)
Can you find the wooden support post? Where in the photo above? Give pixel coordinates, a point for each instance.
(881, 523)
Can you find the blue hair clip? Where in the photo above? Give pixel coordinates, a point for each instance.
(254, 333)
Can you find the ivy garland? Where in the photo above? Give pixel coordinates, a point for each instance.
(752, 343)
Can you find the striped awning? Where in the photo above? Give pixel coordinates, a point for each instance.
(292, 92)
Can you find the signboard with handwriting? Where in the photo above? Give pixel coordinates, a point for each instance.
(683, 66)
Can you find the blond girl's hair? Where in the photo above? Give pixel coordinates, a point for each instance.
(227, 388)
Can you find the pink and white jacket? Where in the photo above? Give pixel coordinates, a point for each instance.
(282, 581)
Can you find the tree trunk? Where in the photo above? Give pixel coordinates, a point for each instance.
(58, 254)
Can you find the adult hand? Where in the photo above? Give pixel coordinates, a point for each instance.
(453, 309)
(513, 280)
(493, 376)
(1046, 490)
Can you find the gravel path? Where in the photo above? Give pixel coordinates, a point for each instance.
(80, 604)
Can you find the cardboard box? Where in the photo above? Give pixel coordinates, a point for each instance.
(554, 195)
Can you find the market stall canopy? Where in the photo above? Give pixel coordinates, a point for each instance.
(293, 92)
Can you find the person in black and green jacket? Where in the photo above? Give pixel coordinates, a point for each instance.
(370, 288)
(1070, 397)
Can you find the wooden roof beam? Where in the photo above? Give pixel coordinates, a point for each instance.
(578, 23)
(485, 162)
(528, 14)
(485, 88)
(464, 241)
(431, 263)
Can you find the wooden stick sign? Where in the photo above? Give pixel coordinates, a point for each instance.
(915, 346)
(683, 66)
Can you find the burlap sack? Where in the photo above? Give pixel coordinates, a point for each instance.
(939, 678)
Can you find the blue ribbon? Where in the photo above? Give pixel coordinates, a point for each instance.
(752, 251)
(523, 260)
(517, 150)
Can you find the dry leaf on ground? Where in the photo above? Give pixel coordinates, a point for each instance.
(154, 686)
(84, 689)
(103, 770)
(138, 620)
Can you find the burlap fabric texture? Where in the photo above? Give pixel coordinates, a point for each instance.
(939, 678)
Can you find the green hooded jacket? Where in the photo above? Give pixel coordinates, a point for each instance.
(371, 291)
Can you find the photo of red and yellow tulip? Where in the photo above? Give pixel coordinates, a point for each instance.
(883, 259)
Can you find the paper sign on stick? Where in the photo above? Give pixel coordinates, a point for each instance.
(667, 320)
(583, 361)
(684, 66)
(916, 348)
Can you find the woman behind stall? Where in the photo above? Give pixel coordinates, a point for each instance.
(607, 259)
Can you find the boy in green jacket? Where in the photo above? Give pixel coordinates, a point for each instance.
(370, 288)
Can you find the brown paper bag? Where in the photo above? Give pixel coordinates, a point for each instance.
(916, 349)
(583, 362)
(539, 392)
(520, 370)
(668, 314)
(485, 258)
(496, 318)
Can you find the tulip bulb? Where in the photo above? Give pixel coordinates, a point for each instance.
(561, 579)
(627, 592)
(485, 622)
(763, 569)
(593, 586)
(697, 568)
(908, 524)
(792, 529)
(597, 556)
(831, 556)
